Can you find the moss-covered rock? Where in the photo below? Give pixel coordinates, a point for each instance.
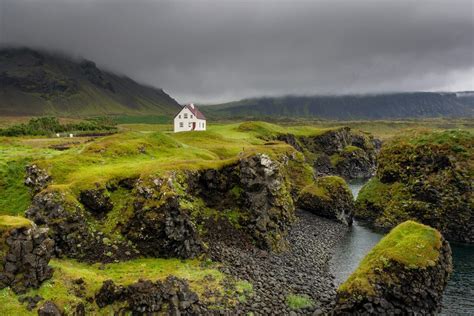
(340, 151)
(329, 197)
(25, 251)
(405, 273)
(426, 177)
(74, 229)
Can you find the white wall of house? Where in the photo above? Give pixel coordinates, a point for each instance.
(184, 122)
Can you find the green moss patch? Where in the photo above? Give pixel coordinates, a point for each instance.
(411, 244)
(296, 302)
(8, 222)
(323, 187)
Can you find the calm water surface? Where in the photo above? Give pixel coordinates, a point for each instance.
(459, 295)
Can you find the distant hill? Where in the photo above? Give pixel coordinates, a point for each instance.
(377, 106)
(40, 83)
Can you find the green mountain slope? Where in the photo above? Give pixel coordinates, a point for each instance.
(381, 106)
(40, 83)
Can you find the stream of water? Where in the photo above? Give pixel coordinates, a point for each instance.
(459, 295)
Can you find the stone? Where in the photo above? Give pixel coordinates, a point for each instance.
(28, 251)
(49, 309)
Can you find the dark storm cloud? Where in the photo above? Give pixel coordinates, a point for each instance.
(219, 50)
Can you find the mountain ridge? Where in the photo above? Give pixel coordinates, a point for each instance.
(394, 105)
(37, 82)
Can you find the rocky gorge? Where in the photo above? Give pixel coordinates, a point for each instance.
(267, 219)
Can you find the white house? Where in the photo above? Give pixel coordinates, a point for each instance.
(189, 119)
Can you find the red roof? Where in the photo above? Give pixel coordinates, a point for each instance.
(194, 110)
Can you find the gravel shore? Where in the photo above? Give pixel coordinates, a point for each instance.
(303, 269)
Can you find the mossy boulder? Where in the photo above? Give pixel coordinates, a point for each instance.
(25, 251)
(328, 197)
(424, 176)
(405, 273)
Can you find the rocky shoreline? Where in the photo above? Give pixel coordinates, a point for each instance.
(303, 269)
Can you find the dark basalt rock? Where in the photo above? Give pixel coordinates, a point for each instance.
(266, 200)
(110, 293)
(342, 152)
(163, 231)
(25, 264)
(49, 309)
(32, 301)
(37, 179)
(72, 235)
(96, 201)
(171, 296)
(257, 187)
(290, 139)
(415, 292)
(329, 197)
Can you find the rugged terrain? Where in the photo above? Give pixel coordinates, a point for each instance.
(42, 83)
(350, 107)
(207, 223)
(424, 176)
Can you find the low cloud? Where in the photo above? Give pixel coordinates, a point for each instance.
(213, 51)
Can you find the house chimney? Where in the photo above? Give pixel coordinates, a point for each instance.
(192, 105)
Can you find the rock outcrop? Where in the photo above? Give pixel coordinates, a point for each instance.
(160, 215)
(406, 274)
(342, 152)
(24, 253)
(328, 197)
(163, 230)
(36, 178)
(256, 187)
(49, 309)
(427, 177)
(172, 296)
(71, 232)
(96, 201)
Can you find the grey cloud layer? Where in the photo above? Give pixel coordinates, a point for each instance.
(204, 50)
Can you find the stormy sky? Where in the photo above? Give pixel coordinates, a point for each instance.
(222, 50)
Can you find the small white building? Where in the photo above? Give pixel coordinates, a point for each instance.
(189, 119)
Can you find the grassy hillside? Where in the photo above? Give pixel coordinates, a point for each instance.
(381, 106)
(40, 83)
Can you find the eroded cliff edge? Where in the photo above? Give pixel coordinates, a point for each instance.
(405, 273)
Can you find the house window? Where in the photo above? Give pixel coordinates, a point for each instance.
(179, 116)
(190, 124)
(185, 115)
(191, 116)
(181, 124)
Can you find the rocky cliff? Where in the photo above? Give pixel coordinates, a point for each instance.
(167, 215)
(25, 251)
(426, 176)
(405, 273)
(342, 152)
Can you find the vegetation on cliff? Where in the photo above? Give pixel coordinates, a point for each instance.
(406, 271)
(424, 176)
(329, 197)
